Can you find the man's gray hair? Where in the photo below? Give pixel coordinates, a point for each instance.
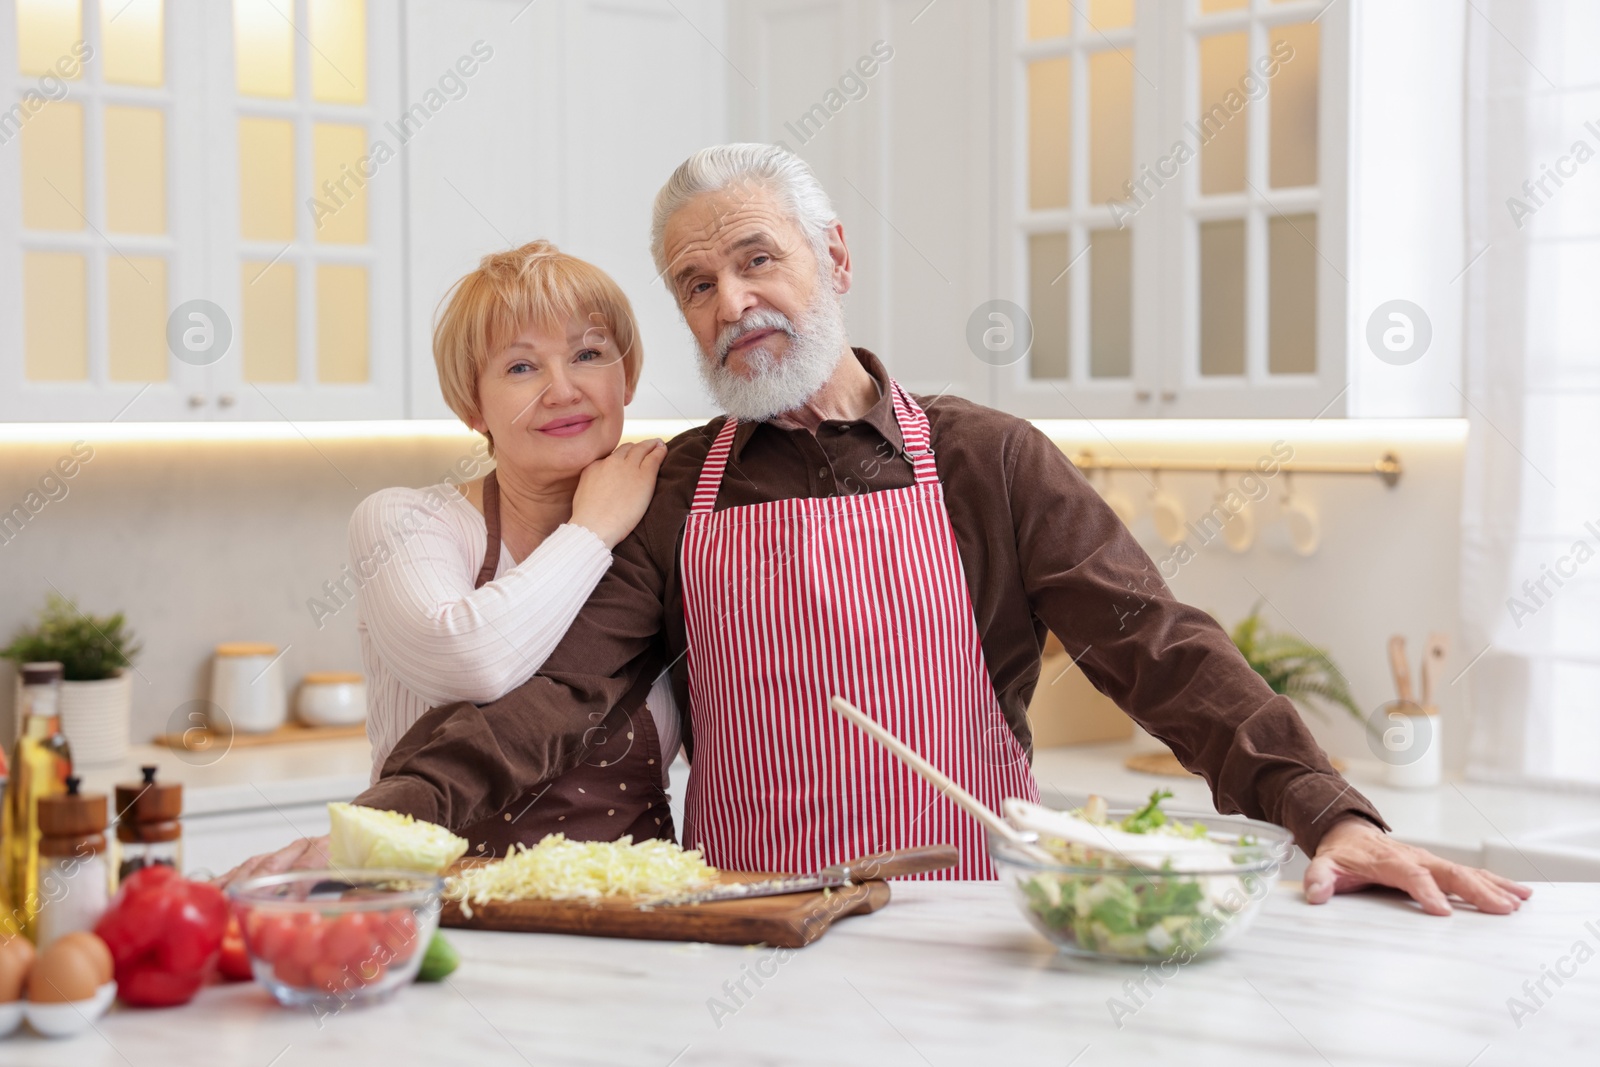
(745, 166)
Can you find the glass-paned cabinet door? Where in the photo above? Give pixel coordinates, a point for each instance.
(1077, 105)
(1259, 247)
(200, 209)
(309, 128)
(91, 250)
(1177, 194)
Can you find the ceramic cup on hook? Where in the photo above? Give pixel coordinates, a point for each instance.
(1305, 531)
(1118, 501)
(1166, 511)
(1239, 528)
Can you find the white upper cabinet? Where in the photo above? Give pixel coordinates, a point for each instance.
(252, 209)
(199, 216)
(1177, 199)
(92, 243)
(304, 143)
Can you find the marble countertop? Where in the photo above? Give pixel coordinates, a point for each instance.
(948, 973)
(1520, 831)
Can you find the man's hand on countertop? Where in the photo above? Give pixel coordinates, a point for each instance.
(308, 853)
(1356, 854)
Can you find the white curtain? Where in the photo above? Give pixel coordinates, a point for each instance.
(1531, 520)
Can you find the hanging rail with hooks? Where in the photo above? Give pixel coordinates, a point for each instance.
(1387, 467)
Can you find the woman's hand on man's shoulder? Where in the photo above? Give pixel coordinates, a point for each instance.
(614, 491)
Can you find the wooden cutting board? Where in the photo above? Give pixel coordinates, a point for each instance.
(791, 921)
(202, 740)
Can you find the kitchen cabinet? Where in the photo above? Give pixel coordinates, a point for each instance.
(1025, 228)
(220, 842)
(199, 223)
(321, 202)
(1176, 244)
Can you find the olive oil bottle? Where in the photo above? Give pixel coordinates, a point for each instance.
(40, 766)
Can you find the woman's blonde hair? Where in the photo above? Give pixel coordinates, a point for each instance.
(535, 285)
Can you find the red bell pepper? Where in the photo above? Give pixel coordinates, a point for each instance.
(165, 933)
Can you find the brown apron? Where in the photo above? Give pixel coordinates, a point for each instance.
(616, 790)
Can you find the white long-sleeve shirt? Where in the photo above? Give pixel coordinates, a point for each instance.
(429, 638)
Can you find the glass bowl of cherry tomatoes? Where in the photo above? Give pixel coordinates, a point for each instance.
(332, 938)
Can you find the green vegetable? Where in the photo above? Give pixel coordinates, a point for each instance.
(1150, 816)
(360, 837)
(439, 961)
(1127, 912)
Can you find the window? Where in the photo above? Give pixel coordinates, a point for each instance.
(1177, 246)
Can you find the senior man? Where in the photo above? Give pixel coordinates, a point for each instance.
(837, 535)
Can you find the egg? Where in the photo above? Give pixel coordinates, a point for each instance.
(94, 947)
(16, 956)
(63, 972)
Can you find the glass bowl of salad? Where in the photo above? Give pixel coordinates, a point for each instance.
(1138, 884)
(329, 938)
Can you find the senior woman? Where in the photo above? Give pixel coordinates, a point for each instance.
(539, 352)
(474, 584)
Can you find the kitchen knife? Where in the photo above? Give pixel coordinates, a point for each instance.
(891, 864)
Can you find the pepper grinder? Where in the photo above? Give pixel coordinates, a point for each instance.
(148, 829)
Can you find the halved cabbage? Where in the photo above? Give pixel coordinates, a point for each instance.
(370, 838)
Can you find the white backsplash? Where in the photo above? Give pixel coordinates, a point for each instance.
(202, 542)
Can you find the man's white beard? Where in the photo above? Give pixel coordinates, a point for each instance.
(777, 384)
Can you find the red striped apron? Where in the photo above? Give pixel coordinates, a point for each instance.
(793, 601)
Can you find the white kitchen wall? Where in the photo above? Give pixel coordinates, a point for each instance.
(209, 541)
(1388, 560)
(565, 134)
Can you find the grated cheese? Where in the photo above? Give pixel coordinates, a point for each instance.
(558, 869)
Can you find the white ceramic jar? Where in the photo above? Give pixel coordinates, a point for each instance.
(332, 698)
(1413, 747)
(247, 684)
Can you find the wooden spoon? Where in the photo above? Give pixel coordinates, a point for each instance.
(1400, 668)
(943, 782)
(1434, 654)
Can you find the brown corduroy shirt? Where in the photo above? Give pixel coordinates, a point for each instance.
(1041, 551)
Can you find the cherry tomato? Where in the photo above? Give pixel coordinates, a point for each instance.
(398, 934)
(268, 935)
(305, 945)
(234, 963)
(350, 940)
(330, 977)
(369, 971)
(291, 972)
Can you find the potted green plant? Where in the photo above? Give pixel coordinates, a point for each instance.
(1293, 667)
(96, 694)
